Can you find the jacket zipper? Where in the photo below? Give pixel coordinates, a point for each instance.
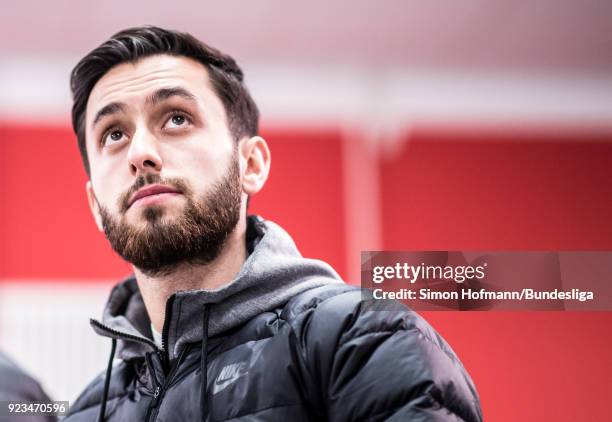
(156, 386)
(165, 361)
(166, 329)
(160, 390)
(124, 335)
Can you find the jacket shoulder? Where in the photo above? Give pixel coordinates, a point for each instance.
(311, 299)
(378, 359)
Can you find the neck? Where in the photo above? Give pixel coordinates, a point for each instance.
(156, 290)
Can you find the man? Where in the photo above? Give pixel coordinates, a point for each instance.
(223, 319)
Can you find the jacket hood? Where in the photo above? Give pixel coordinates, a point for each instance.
(272, 274)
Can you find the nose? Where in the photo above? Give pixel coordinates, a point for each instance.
(143, 154)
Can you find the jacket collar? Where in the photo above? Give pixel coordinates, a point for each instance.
(272, 274)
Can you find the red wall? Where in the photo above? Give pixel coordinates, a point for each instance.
(465, 189)
(47, 230)
(446, 189)
(485, 189)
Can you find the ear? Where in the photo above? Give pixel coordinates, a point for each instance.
(255, 164)
(93, 205)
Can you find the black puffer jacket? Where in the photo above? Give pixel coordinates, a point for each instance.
(311, 349)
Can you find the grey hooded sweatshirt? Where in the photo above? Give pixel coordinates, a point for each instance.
(273, 273)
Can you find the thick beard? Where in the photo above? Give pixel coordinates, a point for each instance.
(194, 238)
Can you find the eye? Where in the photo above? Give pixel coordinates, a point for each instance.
(112, 136)
(177, 120)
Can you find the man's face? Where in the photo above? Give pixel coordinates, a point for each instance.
(165, 178)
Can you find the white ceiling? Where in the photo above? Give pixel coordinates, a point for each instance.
(380, 63)
(565, 35)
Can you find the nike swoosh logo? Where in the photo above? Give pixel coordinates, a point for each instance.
(221, 383)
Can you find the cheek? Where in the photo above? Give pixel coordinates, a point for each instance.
(107, 181)
(198, 163)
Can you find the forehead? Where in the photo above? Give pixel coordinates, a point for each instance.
(131, 83)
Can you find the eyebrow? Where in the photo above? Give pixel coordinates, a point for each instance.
(154, 99)
(107, 110)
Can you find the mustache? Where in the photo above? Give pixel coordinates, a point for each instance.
(152, 179)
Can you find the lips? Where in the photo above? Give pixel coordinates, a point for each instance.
(150, 191)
